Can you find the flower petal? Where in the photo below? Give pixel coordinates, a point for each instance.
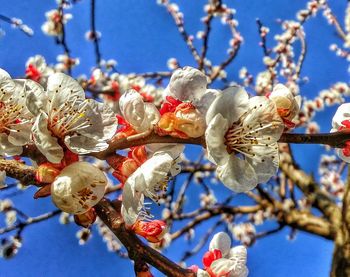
(215, 138)
(46, 143)
(21, 135)
(231, 104)
(84, 145)
(187, 84)
(62, 89)
(222, 242)
(7, 148)
(237, 174)
(36, 98)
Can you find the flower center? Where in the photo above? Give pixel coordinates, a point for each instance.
(9, 114)
(68, 119)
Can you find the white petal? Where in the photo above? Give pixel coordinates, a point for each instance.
(265, 162)
(187, 84)
(84, 145)
(222, 266)
(342, 113)
(263, 119)
(202, 273)
(22, 134)
(7, 148)
(206, 100)
(237, 174)
(7, 85)
(342, 156)
(78, 187)
(239, 254)
(215, 138)
(103, 121)
(36, 97)
(231, 104)
(46, 143)
(151, 118)
(132, 107)
(222, 242)
(62, 89)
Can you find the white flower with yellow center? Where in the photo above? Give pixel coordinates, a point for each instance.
(149, 180)
(241, 138)
(65, 117)
(78, 187)
(15, 119)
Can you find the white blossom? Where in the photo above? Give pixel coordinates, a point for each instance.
(149, 180)
(241, 138)
(78, 188)
(15, 119)
(64, 116)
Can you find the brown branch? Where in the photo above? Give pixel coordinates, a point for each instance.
(110, 214)
(152, 138)
(30, 221)
(319, 199)
(19, 171)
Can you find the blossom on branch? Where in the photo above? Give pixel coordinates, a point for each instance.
(222, 260)
(65, 119)
(78, 188)
(341, 121)
(15, 119)
(37, 69)
(149, 180)
(54, 21)
(241, 138)
(287, 104)
(187, 101)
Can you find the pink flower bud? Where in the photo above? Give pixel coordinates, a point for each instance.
(152, 231)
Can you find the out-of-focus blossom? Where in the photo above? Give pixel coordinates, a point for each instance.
(54, 22)
(9, 248)
(83, 235)
(65, 118)
(37, 69)
(66, 63)
(241, 138)
(78, 188)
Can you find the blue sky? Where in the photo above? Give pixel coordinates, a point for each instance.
(141, 36)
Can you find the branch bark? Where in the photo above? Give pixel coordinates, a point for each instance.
(109, 213)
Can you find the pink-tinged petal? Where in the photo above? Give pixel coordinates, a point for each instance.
(46, 143)
(187, 84)
(222, 242)
(231, 104)
(215, 139)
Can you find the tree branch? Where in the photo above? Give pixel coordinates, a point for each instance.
(109, 213)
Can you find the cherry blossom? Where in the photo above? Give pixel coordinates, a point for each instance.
(53, 25)
(222, 260)
(187, 100)
(140, 115)
(15, 119)
(37, 69)
(241, 138)
(149, 180)
(287, 104)
(78, 188)
(341, 121)
(64, 118)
